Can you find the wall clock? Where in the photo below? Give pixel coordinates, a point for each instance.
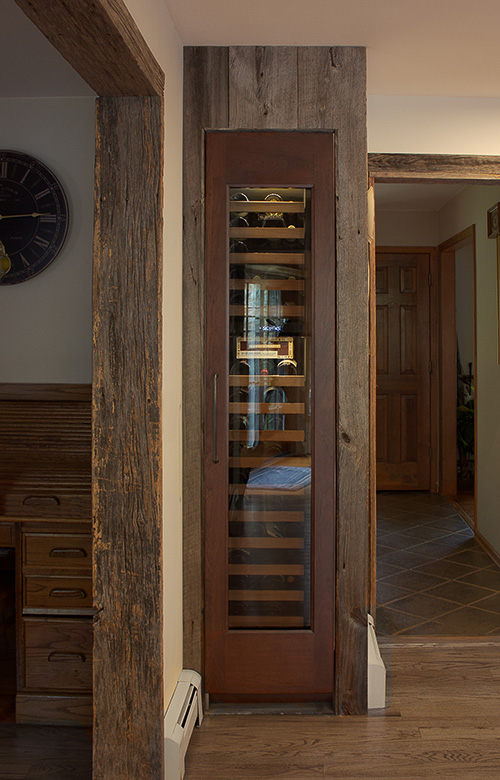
(33, 217)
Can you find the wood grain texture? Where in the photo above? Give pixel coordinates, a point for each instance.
(45, 446)
(263, 87)
(22, 391)
(127, 439)
(101, 41)
(206, 105)
(437, 167)
(442, 720)
(331, 96)
(404, 377)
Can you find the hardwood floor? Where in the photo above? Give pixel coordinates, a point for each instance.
(44, 753)
(442, 721)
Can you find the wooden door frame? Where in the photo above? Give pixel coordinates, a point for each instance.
(448, 360)
(441, 168)
(103, 44)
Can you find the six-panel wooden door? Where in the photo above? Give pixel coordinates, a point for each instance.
(403, 369)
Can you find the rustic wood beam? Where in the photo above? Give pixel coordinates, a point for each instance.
(128, 590)
(102, 43)
(441, 168)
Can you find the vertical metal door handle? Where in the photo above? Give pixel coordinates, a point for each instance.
(215, 457)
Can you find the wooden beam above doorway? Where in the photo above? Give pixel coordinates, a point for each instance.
(442, 168)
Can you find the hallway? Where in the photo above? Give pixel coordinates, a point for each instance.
(449, 729)
(433, 578)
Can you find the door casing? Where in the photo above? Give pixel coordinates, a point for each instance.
(418, 169)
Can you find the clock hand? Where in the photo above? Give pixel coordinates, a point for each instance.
(34, 214)
(5, 264)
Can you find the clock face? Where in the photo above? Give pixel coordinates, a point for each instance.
(33, 217)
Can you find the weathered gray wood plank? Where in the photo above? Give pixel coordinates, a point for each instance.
(263, 87)
(206, 105)
(318, 88)
(332, 95)
(435, 167)
(102, 42)
(127, 440)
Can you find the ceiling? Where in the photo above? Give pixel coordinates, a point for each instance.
(414, 197)
(429, 47)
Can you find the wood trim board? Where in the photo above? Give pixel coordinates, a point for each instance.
(395, 168)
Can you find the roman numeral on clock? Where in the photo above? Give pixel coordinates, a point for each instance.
(42, 194)
(42, 243)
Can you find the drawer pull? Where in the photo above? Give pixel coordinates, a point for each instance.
(75, 593)
(41, 501)
(68, 552)
(66, 657)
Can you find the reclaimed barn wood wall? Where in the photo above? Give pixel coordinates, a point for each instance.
(287, 88)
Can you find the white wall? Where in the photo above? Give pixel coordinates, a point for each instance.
(153, 20)
(464, 305)
(433, 125)
(47, 321)
(405, 228)
(470, 207)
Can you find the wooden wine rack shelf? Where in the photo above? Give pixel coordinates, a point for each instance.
(240, 407)
(266, 516)
(291, 233)
(290, 310)
(287, 569)
(265, 380)
(272, 621)
(265, 543)
(267, 284)
(247, 435)
(266, 595)
(266, 206)
(267, 258)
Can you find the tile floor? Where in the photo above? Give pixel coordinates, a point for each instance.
(433, 578)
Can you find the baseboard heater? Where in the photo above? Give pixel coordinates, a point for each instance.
(376, 671)
(183, 714)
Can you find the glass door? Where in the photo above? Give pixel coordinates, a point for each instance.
(270, 417)
(269, 414)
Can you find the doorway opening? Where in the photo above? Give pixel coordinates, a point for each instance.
(444, 582)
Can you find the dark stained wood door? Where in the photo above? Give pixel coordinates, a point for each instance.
(403, 369)
(270, 427)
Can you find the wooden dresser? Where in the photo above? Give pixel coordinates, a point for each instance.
(45, 514)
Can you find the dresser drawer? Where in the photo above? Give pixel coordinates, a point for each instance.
(58, 654)
(58, 551)
(56, 593)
